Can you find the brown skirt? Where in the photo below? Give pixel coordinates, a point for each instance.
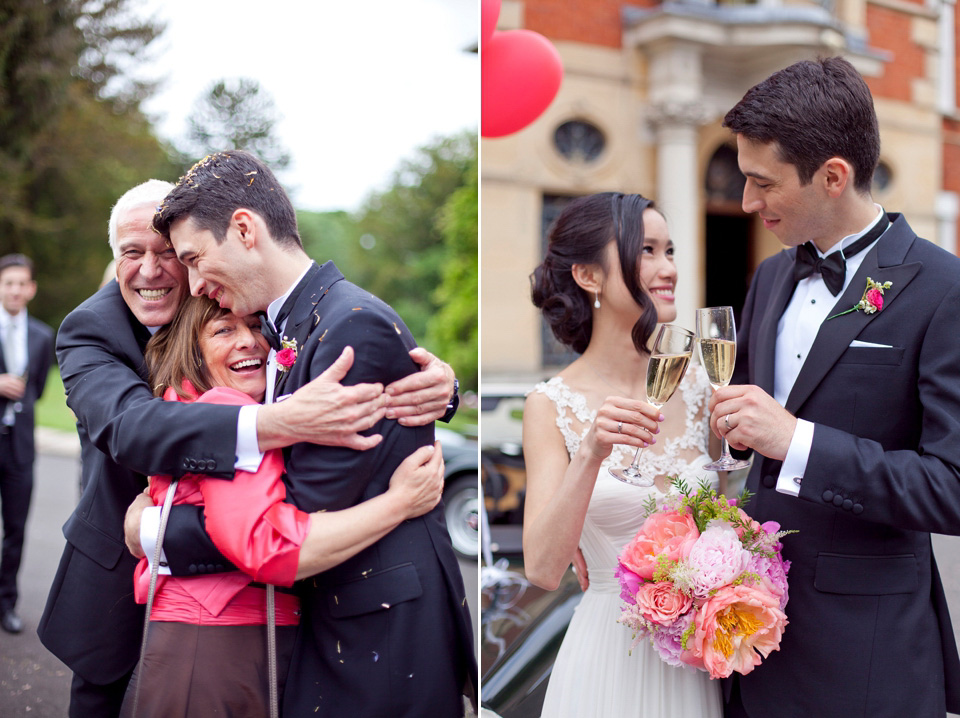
(192, 671)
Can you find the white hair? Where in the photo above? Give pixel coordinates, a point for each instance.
(152, 193)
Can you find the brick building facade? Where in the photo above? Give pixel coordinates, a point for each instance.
(645, 89)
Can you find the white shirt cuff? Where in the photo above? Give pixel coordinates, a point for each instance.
(149, 530)
(795, 463)
(249, 455)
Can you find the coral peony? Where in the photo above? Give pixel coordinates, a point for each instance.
(662, 603)
(736, 627)
(671, 533)
(717, 558)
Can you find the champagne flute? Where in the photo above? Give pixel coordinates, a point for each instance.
(667, 365)
(717, 341)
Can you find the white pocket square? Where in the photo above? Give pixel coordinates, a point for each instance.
(858, 343)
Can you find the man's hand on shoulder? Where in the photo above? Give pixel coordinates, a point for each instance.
(131, 523)
(324, 411)
(423, 396)
(749, 418)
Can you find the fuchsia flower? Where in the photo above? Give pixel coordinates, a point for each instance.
(286, 358)
(871, 301)
(875, 297)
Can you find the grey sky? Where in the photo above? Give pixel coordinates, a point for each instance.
(360, 84)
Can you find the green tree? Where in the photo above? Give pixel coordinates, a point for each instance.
(236, 114)
(72, 138)
(452, 331)
(400, 249)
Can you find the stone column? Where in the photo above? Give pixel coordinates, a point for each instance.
(676, 127)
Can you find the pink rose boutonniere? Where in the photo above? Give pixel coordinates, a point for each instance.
(871, 301)
(287, 356)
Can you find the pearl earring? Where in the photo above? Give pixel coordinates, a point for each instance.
(596, 302)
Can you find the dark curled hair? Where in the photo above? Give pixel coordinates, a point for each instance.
(218, 185)
(813, 111)
(579, 236)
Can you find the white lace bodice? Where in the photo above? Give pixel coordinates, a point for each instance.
(616, 509)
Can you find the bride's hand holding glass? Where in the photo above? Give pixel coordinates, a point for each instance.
(621, 420)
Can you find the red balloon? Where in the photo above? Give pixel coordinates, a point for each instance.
(521, 73)
(489, 14)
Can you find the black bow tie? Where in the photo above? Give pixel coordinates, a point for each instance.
(267, 327)
(833, 267)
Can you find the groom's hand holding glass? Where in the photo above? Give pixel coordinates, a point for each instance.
(749, 418)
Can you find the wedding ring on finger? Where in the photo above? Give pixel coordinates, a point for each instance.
(726, 422)
(619, 427)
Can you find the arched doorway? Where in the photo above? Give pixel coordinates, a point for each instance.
(729, 233)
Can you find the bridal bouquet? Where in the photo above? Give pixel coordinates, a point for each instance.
(705, 582)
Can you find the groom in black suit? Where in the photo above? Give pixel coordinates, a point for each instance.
(848, 390)
(386, 633)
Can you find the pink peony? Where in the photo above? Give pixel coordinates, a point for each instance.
(286, 358)
(717, 558)
(735, 628)
(671, 533)
(875, 297)
(668, 642)
(773, 575)
(662, 603)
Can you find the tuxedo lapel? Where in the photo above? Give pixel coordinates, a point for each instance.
(306, 313)
(884, 263)
(767, 334)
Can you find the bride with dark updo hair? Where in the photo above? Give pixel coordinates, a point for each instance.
(607, 280)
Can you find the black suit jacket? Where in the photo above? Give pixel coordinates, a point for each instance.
(91, 621)
(39, 358)
(869, 631)
(386, 633)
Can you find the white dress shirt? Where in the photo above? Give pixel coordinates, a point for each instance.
(810, 305)
(14, 354)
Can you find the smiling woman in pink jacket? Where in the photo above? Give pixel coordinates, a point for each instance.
(206, 651)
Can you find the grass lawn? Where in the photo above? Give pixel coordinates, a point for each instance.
(51, 410)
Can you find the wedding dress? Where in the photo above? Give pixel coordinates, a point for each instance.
(596, 673)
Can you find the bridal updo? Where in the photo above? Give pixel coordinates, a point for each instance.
(579, 236)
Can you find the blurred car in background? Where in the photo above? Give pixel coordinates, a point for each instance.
(502, 471)
(521, 626)
(461, 492)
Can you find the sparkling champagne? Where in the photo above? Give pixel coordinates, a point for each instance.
(718, 357)
(664, 373)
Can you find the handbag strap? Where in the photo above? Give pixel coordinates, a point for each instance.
(272, 652)
(154, 571)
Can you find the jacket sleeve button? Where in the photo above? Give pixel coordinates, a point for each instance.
(828, 495)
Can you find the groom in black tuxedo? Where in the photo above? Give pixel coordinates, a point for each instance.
(854, 415)
(386, 633)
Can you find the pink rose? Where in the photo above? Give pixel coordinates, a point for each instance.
(875, 297)
(671, 533)
(717, 558)
(286, 358)
(662, 603)
(736, 628)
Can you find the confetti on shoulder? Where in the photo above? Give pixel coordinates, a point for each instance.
(323, 335)
(397, 328)
(356, 309)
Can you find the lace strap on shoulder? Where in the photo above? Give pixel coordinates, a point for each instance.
(570, 406)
